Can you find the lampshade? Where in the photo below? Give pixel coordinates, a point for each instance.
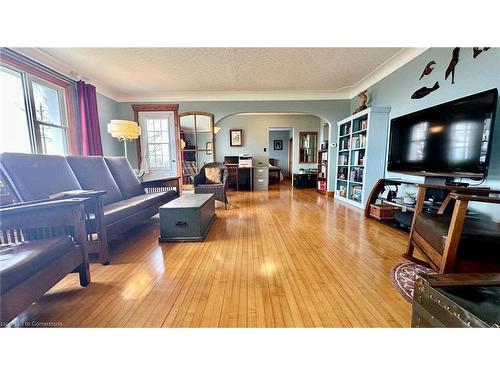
(124, 130)
(216, 129)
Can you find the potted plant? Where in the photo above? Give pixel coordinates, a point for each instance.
(409, 198)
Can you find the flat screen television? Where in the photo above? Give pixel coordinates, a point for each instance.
(450, 139)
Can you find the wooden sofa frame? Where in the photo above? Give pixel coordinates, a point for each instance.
(444, 263)
(97, 236)
(41, 220)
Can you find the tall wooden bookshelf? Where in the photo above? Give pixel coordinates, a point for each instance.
(361, 142)
(322, 171)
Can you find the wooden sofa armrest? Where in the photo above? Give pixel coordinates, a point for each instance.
(47, 208)
(162, 184)
(38, 220)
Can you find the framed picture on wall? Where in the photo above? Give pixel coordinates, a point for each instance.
(278, 144)
(236, 137)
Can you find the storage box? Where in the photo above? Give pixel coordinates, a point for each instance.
(456, 300)
(383, 211)
(187, 218)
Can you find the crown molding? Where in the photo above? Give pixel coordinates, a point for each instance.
(45, 58)
(211, 96)
(390, 66)
(344, 93)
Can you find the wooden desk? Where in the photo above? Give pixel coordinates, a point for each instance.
(239, 172)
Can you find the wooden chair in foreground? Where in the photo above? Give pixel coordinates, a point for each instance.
(455, 243)
(40, 243)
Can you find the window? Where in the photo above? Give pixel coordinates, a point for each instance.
(14, 129)
(158, 140)
(34, 116)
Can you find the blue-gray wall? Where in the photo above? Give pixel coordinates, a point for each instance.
(471, 76)
(331, 111)
(281, 156)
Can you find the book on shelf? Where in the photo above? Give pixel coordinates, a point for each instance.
(362, 141)
(355, 157)
(343, 159)
(356, 193)
(342, 191)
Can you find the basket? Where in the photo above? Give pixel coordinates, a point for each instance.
(383, 211)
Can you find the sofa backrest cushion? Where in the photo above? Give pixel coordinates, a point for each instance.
(93, 173)
(35, 176)
(124, 175)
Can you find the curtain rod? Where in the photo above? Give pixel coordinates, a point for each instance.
(27, 60)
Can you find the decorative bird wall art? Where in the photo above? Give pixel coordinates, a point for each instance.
(428, 69)
(453, 64)
(477, 50)
(424, 91)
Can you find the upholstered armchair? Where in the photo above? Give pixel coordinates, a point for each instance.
(212, 179)
(455, 242)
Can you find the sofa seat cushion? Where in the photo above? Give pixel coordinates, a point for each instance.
(93, 173)
(124, 175)
(119, 210)
(147, 200)
(36, 176)
(20, 261)
(480, 239)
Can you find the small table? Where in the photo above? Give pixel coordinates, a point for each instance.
(187, 218)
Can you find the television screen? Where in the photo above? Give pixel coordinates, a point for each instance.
(450, 139)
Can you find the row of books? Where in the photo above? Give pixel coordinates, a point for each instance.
(359, 141)
(343, 159)
(356, 193)
(358, 157)
(344, 143)
(356, 174)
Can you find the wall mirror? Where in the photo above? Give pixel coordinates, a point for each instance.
(308, 147)
(197, 146)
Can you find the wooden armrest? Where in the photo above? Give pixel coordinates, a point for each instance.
(475, 198)
(77, 194)
(43, 214)
(463, 279)
(159, 181)
(37, 206)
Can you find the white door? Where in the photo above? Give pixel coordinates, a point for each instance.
(158, 143)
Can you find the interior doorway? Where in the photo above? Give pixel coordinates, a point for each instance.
(280, 153)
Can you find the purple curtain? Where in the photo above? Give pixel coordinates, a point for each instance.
(89, 119)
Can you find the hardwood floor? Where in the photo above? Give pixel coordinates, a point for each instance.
(282, 258)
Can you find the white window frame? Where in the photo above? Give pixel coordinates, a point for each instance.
(62, 111)
(34, 125)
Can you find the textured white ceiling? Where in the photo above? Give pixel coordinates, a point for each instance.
(136, 72)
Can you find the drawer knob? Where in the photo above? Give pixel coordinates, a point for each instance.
(180, 224)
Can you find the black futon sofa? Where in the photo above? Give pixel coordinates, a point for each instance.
(119, 201)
